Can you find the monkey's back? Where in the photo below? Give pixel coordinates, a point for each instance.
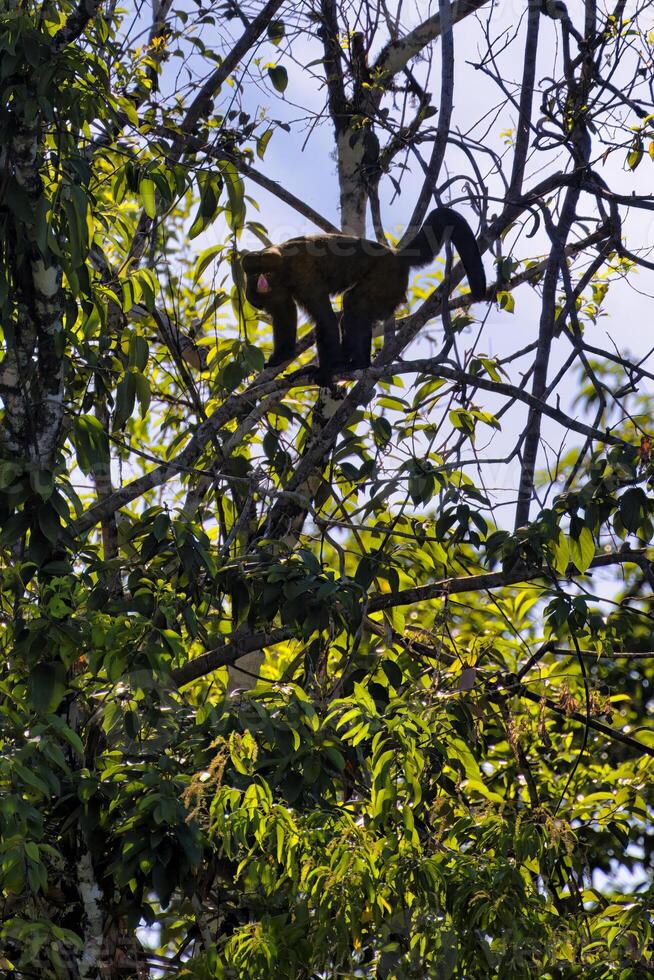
(334, 262)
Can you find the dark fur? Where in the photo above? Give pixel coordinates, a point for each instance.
(372, 278)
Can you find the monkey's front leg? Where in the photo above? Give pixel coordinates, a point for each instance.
(284, 324)
(328, 338)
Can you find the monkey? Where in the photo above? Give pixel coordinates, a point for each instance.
(372, 278)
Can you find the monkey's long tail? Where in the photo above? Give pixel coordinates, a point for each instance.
(441, 224)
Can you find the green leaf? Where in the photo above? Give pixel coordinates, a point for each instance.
(560, 553)
(236, 195)
(127, 106)
(14, 527)
(47, 686)
(253, 357)
(67, 733)
(49, 522)
(633, 508)
(210, 187)
(164, 880)
(9, 473)
(204, 259)
(279, 77)
(382, 431)
(80, 206)
(138, 352)
(491, 368)
(506, 301)
(276, 31)
(232, 375)
(582, 549)
(366, 571)
(42, 483)
(393, 672)
(132, 723)
(31, 779)
(335, 757)
(143, 392)
(147, 188)
(635, 155)
(57, 608)
(262, 143)
(91, 443)
(460, 419)
(125, 399)
(421, 488)
(74, 237)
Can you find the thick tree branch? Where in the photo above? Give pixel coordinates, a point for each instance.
(541, 362)
(399, 52)
(493, 580)
(526, 102)
(227, 653)
(231, 408)
(329, 33)
(444, 124)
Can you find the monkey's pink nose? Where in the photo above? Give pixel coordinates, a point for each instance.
(262, 284)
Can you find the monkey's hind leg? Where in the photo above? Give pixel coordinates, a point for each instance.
(357, 319)
(328, 341)
(364, 303)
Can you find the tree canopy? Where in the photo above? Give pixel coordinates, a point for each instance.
(348, 682)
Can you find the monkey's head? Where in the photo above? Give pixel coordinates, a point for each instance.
(269, 260)
(261, 270)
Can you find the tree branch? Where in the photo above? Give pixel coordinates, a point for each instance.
(225, 654)
(231, 408)
(74, 26)
(398, 53)
(597, 726)
(437, 368)
(336, 99)
(444, 124)
(202, 103)
(542, 359)
(526, 102)
(492, 580)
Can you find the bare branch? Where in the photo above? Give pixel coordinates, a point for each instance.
(444, 124)
(526, 102)
(398, 53)
(336, 98)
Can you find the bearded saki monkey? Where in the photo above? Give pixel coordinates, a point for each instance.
(372, 278)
